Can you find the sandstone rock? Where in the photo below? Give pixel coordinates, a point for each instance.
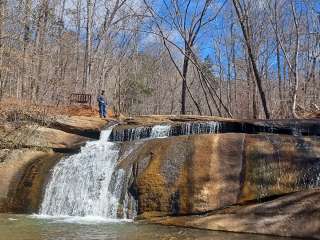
(81, 125)
(22, 175)
(42, 137)
(200, 173)
(293, 215)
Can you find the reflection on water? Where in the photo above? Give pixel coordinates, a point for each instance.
(21, 227)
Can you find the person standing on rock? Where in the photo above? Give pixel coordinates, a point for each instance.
(102, 104)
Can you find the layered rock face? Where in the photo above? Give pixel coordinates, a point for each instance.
(197, 174)
(192, 180)
(292, 215)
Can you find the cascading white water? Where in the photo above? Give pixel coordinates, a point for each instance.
(81, 185)
(89, 184)
(200, 128)
(160, 131)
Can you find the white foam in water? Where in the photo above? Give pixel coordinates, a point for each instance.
(214, 127)
(80, 185)
(191, 128)
(160, 131)
(79, 220)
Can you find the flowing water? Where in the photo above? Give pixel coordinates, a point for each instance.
(161, 131)
(87, 184)
(191, 128)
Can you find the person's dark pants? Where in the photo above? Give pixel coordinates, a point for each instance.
(102, 110)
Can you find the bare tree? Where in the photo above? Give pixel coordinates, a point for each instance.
(2, 33)
(188, 22)
(87, 58)
(243, 17)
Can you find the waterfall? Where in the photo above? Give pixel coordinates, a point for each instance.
(160, 131)
(200, 128)
(87, 184)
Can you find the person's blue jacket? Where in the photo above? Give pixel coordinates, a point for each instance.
(101, 100)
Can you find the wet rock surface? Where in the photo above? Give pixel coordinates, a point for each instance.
(230, 182)
(201, 173)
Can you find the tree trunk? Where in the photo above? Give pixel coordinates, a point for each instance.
(252, 58)
(22, 86)
(184, 77)
(78, 26)
(295, 64)
(2, 19)
(87, 58)
(40, 41)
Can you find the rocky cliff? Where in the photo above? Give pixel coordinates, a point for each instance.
(200, 173)
(256, 182)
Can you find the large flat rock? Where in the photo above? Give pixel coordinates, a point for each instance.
(80, 125)
(293, 215)
(42, 137)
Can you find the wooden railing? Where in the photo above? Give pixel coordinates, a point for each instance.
(81, 98)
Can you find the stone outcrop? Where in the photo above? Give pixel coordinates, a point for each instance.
(44, 138)
(29, 152)
(63, 134)
(201, 173)
(80, 125)
(255, 183)
(292, 215)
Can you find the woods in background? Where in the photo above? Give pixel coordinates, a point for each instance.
(231, 58)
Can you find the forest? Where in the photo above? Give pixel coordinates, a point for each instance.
(254, 59)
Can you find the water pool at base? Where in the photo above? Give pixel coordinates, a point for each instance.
(26, 227)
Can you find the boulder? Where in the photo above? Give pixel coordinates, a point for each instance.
(201, 173)
(292, 215)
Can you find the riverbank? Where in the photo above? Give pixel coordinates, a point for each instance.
(210, 173)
